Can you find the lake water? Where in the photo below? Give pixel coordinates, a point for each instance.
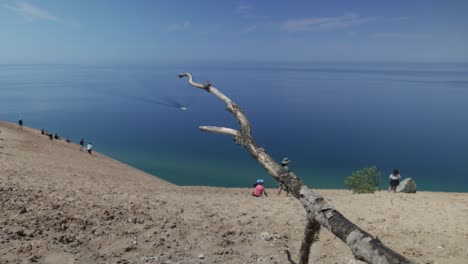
(330, 119)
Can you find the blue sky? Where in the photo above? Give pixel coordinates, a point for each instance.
(90, 31)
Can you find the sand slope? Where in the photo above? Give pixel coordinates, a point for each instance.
(61, 205)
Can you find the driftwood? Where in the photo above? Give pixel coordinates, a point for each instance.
(319, 212)
(310, 235)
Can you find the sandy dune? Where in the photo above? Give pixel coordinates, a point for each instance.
(61, 205)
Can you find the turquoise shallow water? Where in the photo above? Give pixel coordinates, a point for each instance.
(329, 119)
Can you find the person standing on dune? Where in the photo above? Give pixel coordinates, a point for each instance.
(394, 180)
(81, 144)
(89, 148)
(286, 168)
(20, 123)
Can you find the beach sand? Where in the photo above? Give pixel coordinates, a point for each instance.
(62, 205)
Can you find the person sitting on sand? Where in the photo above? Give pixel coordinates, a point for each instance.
(89, 148)
(42, 131)
(68, 139)
(81, 144)
(285, 165)
(20, 123)
(50, 136)
(259, 190)
(394, 180)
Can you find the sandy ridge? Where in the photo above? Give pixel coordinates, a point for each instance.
(60, 205)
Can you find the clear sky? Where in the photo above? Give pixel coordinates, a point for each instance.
(94, 31)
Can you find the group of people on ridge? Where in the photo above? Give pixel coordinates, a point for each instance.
(89, 146)
(53, 136)
(259, 189)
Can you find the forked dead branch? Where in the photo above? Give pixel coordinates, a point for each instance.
(319, 213)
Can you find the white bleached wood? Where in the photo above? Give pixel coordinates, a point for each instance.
(219, 130)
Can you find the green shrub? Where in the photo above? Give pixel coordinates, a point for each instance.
(364, 181)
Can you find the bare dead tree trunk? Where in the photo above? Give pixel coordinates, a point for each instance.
(311, 232)
(363, 245)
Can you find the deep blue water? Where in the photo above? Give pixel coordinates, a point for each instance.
(329, 119)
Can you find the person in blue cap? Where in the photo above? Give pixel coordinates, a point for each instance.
(285, 165)
(259, 190)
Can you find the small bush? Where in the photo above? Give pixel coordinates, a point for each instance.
(363, 181)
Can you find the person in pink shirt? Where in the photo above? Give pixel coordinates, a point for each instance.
(259, 190)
